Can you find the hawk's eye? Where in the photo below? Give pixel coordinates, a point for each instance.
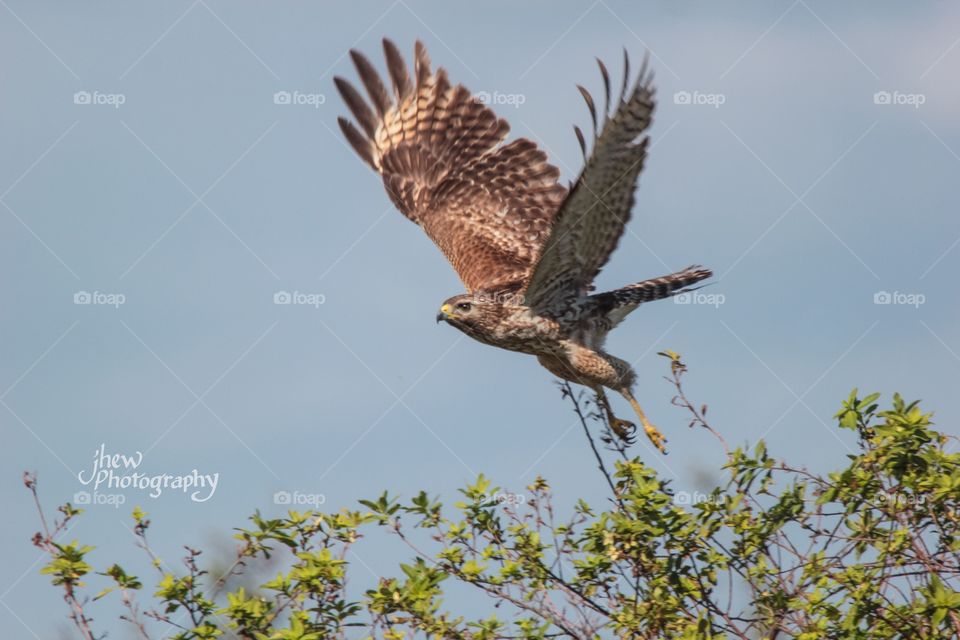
(463, 306)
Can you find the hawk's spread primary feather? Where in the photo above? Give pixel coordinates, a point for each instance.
(526, 248)
(489, 206)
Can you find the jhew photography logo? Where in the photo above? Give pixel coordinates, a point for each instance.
(714, 100)
(99, 298)
(698, 297)
(299, 499)
(121, 471)
(299, 298)
(115, 100)
(899, 98)
(899, 298)
(298, 98)
(496, 98)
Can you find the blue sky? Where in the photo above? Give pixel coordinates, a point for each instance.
(814, 167)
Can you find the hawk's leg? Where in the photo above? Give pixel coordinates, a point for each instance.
(624, 429)
(652, 432)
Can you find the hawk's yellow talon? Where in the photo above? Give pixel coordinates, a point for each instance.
(657, 438)
(652, 432)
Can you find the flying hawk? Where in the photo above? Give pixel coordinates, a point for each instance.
(526, 247)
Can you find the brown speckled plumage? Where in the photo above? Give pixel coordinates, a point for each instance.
(526, 248)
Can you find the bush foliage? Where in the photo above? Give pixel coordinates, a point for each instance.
(869, 551)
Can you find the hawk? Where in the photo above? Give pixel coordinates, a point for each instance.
(526, 247)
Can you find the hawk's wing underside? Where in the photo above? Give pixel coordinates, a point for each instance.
(488, 206)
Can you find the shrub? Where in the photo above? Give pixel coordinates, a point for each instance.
(775, 551)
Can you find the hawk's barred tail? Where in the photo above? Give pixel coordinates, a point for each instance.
(662, 287)
(618, 303)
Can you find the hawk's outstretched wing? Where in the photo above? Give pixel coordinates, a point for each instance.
(595, 213)
(488, 206)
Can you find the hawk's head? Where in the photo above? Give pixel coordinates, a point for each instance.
(476, 315)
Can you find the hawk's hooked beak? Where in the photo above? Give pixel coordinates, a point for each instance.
(444, 313)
